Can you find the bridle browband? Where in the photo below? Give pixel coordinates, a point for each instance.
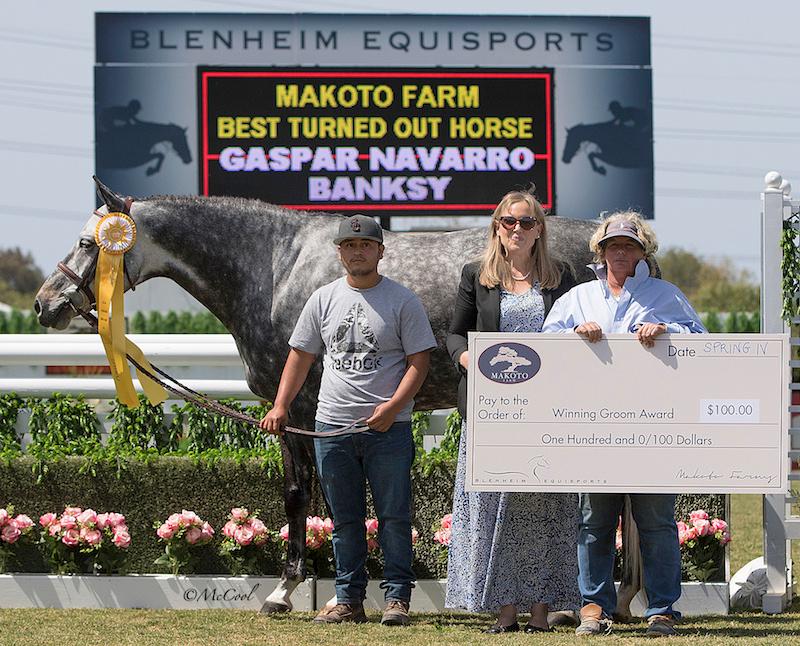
(171, 384)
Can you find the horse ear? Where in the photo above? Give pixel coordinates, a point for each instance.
(113, 201)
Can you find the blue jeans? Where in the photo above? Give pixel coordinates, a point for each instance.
(344, 465)
(658, 536)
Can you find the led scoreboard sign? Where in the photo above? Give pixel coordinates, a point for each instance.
(376, 140)
(393, 115)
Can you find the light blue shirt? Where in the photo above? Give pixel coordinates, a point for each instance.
(643, 299)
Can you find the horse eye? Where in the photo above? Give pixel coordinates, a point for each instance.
(86, 243)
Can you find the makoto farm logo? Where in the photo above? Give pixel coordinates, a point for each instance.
(509, 363)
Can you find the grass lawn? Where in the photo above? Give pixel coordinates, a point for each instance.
(145, 627)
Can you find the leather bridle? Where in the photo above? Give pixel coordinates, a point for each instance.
(81, 282)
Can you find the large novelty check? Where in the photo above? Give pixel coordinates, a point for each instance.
(696, 413)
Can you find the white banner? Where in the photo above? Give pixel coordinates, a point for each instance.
(698, 413)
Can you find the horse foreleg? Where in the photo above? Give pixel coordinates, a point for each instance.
(597, 168)
(632, 573)
(297, 472)
(152, 170)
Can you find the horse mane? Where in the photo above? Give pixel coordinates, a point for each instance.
(238, 203)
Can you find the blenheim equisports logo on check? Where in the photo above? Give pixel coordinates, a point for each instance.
(509, 363)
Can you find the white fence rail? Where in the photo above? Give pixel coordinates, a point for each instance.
(207, 363)
(181, 355)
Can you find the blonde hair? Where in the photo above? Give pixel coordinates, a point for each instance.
(496, 270)
(643, 230)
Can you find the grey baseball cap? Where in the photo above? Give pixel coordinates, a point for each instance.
(359, 226)
(624, 228)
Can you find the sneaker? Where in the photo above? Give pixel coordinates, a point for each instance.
(341, 613)
(396, 613)
(661, 626)
(592, 621)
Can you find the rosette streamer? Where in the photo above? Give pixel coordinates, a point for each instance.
(115, 234)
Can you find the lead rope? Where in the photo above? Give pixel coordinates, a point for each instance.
(187, 394)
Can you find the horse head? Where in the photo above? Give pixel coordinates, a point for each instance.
(180, 143)
(573, 143)
(69, 290)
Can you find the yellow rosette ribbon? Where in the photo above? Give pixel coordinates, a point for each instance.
(115, 234)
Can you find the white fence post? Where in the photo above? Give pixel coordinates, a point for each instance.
(777, 550)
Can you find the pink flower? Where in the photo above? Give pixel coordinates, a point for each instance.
(101, 521)
(447, 521)
(718, 525)
(87, 517)
(372, 545)
(239, 513)
(691, 533)
(315, 524)
(10, 533)
(189, 518)
(701, 526)
(258, 526)
(72, 511)
(46, 520)
(618, 540)
(284, 532)
(442, 536)
(175, 521)
(699, 514)
(67, 521)
(54, 529)
(372, 525)
(122, 538)
(94, 537)
(327, 526)
(725, 538)
(4, 516)
(115, 520)
(207, 531)
(23, 522)
(229, 528)
(165, 531)
(71, 537)
(193, 535)
(414, 536)
(244, 535)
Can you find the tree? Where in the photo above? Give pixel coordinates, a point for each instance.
(19, 272)
(20, 278)
(710, 286)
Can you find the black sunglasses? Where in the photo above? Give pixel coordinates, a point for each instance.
(526, 222)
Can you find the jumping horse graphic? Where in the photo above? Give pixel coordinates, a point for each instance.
(610, 142)
(137, 142)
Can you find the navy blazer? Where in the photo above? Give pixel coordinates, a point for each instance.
(478, 309)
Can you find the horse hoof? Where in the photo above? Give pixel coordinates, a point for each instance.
(272, 608)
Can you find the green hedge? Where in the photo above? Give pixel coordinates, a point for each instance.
(147, 470)
(147, 492)
(732, 322)
(24, 322)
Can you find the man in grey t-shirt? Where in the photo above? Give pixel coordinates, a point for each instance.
(375, 339)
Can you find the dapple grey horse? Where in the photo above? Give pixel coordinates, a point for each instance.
(254, 265)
